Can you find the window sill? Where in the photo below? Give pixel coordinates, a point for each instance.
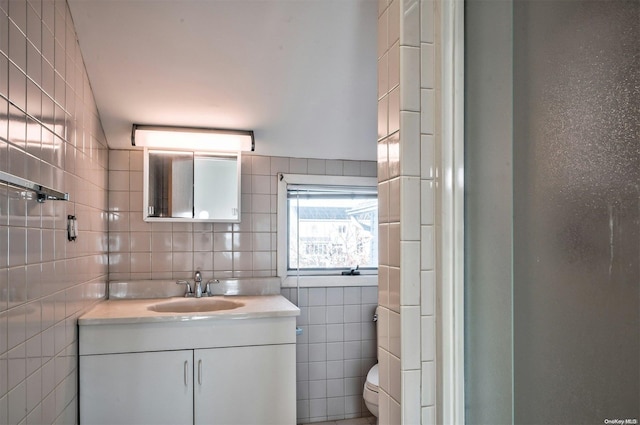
(329, 281)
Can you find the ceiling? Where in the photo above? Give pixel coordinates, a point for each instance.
(300, 73)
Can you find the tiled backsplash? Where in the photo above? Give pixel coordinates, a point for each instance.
(50, 133)
(141, 250)
(335, 351)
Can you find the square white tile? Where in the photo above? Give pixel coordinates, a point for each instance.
(351, 168)
(260, 165)
(334, 167)
(119, 160)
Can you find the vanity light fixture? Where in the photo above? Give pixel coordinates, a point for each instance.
(200, 139)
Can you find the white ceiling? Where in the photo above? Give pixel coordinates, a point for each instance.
(300, 73)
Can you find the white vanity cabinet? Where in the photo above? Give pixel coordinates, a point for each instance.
(137, 388)
(252, 392)
(212, 386)
(212, 371)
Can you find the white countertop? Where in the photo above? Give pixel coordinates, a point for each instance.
(122, 311)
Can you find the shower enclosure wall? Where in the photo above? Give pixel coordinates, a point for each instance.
(552, 217)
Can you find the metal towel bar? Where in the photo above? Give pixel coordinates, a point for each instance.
(42, 192)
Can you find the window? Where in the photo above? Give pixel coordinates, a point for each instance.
(327, 225)
(332, 227)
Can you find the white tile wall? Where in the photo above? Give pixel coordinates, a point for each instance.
(141, 250)
(335, 351)
(408, 192)
(50, 132)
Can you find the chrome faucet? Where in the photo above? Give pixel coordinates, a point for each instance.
(198, 280)
(198, 291)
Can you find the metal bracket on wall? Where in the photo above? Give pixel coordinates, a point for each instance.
(43, 193)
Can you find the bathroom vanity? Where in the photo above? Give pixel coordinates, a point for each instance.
(153, 361)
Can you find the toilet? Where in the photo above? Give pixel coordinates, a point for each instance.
(370, 393)
(370, 390)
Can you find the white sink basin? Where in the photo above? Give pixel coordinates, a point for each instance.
(195, 305)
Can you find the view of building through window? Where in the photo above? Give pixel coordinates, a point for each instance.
(333, 231)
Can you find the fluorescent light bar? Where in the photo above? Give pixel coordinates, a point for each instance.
(201, 139)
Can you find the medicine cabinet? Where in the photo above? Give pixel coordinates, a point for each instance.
(191, 186)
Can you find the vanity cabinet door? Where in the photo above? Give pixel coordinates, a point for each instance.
(137, 388)
(245, 385)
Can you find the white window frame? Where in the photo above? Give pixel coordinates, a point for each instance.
(320, 280)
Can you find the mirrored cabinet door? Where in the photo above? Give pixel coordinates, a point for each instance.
(191, 186)
(213, 176)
